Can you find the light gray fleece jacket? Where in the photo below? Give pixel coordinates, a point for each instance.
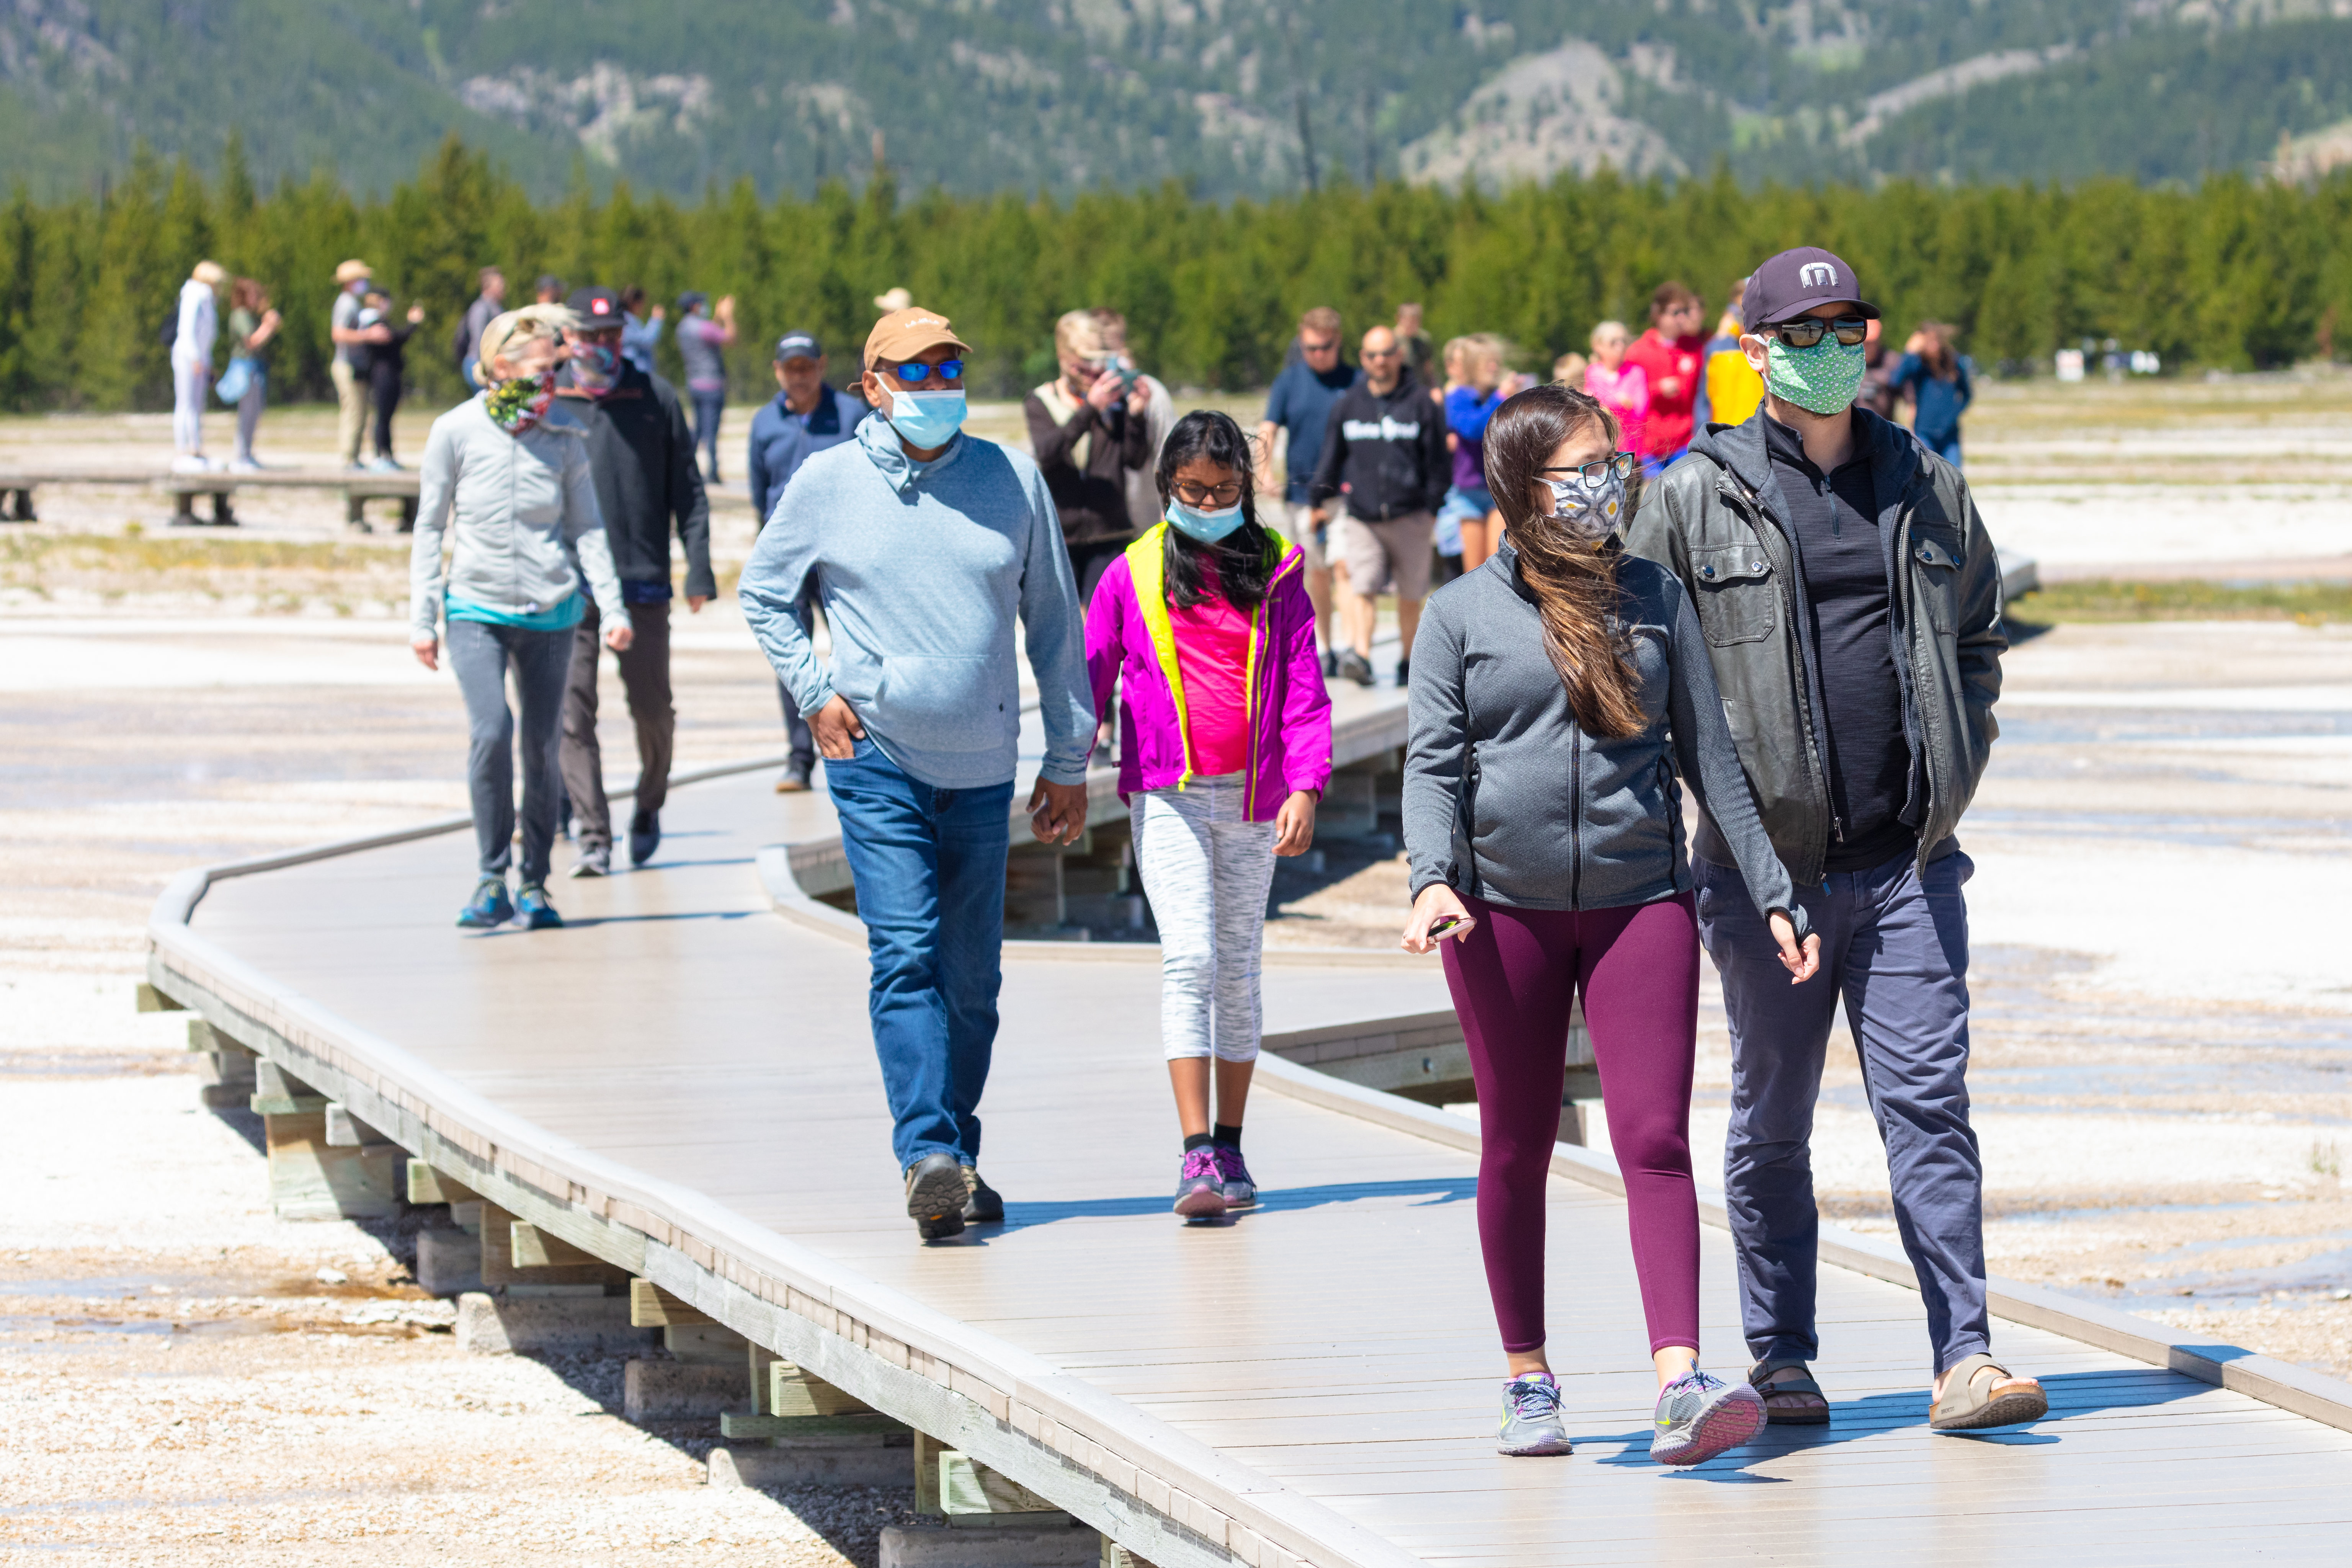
(922, 569)
(520, 507)
(1506, 798)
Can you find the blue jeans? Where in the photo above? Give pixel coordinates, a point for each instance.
(479, 655)
(709, 407)
(930, 869)
(1894, 947)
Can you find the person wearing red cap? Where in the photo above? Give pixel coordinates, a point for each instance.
(1851, 605)
(926, 550)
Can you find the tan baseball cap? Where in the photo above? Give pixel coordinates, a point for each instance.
(904, 334)
(351, 269)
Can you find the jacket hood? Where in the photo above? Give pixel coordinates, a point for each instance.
(879, 437)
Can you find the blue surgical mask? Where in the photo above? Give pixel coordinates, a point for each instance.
(1208, 527)
(925, 419)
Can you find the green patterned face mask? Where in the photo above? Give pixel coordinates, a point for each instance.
(1822, 378)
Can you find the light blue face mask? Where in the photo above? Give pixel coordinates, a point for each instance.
(927, 419)
(1208, 527)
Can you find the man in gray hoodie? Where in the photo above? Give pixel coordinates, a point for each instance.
(924, 546)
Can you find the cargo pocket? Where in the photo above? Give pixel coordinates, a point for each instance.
(1736, 600)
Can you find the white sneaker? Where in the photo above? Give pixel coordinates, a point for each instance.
(245, 466)
(190, 463)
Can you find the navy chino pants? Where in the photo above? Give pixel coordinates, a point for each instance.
(1894, 949)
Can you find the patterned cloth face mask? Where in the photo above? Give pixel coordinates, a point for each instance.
(1823, 378)
(1588, 505)
(595, 368)
(516, 406)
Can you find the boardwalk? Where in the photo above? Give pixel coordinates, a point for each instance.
(682, 1081)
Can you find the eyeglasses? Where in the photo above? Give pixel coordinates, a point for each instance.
(1305, 347)
(1806, 331)
(914, 372)
(1594, 474)
(1207, 496)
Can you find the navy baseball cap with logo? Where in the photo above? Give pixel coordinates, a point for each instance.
(798, 345)
(596, 308)
(1799, 280)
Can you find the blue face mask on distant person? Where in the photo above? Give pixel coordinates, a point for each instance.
(925, 419)
(1208, 527)
(595, 367)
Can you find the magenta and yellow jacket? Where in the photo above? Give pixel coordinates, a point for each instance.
(1130, 638)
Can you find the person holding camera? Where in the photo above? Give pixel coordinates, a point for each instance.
(1089, 428)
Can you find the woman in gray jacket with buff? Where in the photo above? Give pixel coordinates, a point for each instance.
(1556, 692)
(506, 475)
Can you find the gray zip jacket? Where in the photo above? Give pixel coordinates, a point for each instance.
(1508, 800)
(1717, 520)
(519, 506)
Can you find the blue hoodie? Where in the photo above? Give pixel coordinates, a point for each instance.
(922, 569)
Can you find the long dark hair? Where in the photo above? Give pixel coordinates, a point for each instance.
(1244, 560)
(1574, 583)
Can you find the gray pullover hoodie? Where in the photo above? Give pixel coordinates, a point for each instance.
(922, 569)
(519, 506)
(1508, 800)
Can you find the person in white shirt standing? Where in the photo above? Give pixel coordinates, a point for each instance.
(192, 366)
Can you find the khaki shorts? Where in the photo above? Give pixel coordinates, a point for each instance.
(1297, 525)
(1394, 556)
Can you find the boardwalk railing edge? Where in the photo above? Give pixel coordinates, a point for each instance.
(2297, 1389)
(1166, 1496)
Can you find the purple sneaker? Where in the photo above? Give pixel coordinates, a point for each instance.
(1199, 1192)
(1241, 1192)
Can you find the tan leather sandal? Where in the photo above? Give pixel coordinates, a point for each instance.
(1980, 1392)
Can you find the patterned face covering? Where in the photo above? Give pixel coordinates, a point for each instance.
(1823, 378)
(517, 405)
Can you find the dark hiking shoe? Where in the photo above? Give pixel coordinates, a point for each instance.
(936, 1194)
(489, 907)
(645, 836)
(533, 909)
(983, 1205)
(1405, 674)
(795, 780)
(1356, 667)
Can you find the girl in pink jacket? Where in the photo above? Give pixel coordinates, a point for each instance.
(1224, 749)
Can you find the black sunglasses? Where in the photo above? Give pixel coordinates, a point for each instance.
(1806, 331)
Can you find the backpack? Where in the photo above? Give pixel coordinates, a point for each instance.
(171, 333)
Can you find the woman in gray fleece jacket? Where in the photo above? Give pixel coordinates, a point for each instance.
(1555, 692)
(506, 474)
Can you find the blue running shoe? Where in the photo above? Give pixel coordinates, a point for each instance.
(1200, 1190)
(489, 907)
(1699, 1417)
(536, 913)
(1531, 1423)
(1234, 1178)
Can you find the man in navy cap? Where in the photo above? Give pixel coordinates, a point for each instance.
(641, 455)
(807, 415)
(1851, 606)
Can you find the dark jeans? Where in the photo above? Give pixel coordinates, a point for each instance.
(1895, 948)
(796, 730)
(383, 394)
(644, 676)
(930, 869)
(1089, 560)
(1513, 979)
(708, 408)
(479, 656)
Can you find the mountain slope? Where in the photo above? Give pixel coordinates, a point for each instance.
(1234, 97)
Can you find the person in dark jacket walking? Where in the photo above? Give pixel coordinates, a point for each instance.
(1562, 687)
(387, 372)
(641, 455)
(1385, 450)
(1089, 432)
(1851, 605)
(806, 415)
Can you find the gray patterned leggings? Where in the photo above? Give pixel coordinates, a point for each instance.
(1207, 872)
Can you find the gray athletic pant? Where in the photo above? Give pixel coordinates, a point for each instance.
(1207, 873)
(1895, 948)
(479, 655)
(644, 677)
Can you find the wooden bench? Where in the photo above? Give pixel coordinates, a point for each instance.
(357, 489)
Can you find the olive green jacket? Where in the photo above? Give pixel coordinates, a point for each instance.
(1717, 520)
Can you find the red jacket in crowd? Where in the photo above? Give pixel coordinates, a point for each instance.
(1672, 366)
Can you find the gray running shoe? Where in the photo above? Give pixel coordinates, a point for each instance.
(1531, 1423)
(1699, 1417)
(1233, 1177)
(595, 860)
(1200, 1190)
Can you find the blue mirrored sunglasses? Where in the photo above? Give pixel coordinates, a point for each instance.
(914, 372)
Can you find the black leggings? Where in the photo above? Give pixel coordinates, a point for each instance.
(384, 391)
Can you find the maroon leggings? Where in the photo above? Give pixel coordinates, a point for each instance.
(1512, 979)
